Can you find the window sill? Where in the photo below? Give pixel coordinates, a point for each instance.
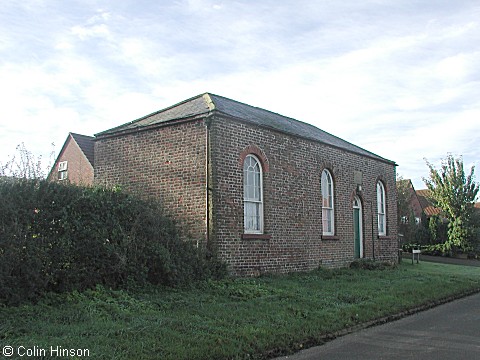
(256, 237)
(330, 237)
(384, 237)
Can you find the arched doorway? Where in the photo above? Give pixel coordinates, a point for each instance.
(357, 227)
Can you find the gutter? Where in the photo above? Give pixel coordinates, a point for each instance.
(208, 190)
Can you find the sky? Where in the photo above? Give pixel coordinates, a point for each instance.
(400, 78)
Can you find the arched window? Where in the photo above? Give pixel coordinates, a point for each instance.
(252, 195)
(382, 220)
(327, 204)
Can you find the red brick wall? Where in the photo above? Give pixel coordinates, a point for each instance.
(167, 163)
(80, 171)
(415, 204)
(292, 201)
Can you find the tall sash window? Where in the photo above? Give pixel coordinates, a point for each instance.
(328, 216)
(382, 222)
(252, 195)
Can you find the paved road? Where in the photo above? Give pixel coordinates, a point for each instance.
(443, 260)
(450, 331)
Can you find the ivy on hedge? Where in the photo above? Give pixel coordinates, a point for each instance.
(60, 238)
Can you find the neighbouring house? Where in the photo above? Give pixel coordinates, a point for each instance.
(269, 193)
(426, 204)
(419, 202)
(415, 209)
(476, 209)
(75, 161)
(414, 205)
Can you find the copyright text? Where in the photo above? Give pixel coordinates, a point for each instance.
(36, 351)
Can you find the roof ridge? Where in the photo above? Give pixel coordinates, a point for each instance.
(85, 144)
(206, 104)
(204, 96)
(292, 121)
(77, 134)
(423, 190)
(209, 101)
(262, 109)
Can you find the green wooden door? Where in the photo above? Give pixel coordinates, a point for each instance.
(356, 228)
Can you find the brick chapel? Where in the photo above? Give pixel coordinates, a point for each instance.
(267, 192)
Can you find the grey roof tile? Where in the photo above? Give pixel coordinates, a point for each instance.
(203, 104)
(188, 108)
(86, 144)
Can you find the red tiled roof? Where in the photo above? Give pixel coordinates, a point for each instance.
(426, 204)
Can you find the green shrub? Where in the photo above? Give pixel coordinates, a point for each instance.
(60, 238)
(368, 264)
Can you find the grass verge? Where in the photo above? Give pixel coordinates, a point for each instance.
(234, 319)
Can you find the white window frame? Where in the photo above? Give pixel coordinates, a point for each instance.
(62, 175)
(252, 224)
(328, 201)
(62, 170)
(381, 212)
(62, 166)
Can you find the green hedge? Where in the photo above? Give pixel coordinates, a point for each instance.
(56, 237)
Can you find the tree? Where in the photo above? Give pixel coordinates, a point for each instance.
(404, 209)
(24, 164)
(412, 230)
(404, 196)
(437, 229)
(455, 194)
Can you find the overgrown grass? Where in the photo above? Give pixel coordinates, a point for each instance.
(235, 319)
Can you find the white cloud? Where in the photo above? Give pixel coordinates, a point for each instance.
(398, 79)
(102, 16)
(84, 32)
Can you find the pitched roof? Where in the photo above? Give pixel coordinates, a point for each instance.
(423, 197)
(205, 104)
(86, 144)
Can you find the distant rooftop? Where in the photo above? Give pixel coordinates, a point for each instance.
(205, 104)
(86, 144)
(427, 206)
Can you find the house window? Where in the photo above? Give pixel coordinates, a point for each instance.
(252, 195)
(381, 209)
(62, 170)
(327, 203)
